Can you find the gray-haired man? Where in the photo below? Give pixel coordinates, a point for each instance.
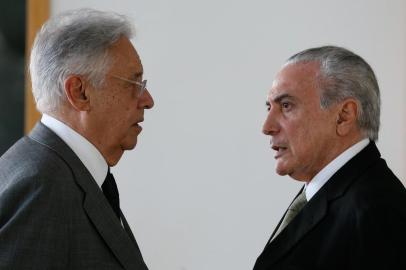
(59, 204)
(323, 119)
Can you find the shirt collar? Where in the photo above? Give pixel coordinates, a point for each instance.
(327, 172)
(86, 151)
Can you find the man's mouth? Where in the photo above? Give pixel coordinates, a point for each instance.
(137, 124)
(280, 150)
(139, 121)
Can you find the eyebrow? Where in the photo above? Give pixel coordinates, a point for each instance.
(281, 97)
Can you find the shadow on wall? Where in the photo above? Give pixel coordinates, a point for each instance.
(12, 50)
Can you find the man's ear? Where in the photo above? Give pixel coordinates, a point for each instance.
(77, 93)
(347, 117)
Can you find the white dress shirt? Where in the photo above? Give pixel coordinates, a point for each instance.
(86, 151)
(327, 172)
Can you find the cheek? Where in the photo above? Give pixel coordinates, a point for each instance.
(298, 135)
(311, 141)
(116, 119)
(123, 110)
(303, 142)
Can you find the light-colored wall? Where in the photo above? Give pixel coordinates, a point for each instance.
(200, 190)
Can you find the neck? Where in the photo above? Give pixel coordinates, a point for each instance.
(78, 122)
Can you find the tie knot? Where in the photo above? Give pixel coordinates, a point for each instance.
(299, 202)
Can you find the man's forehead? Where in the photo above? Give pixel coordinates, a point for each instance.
(294, 80)
(126, 57)
(276, 96)
(278, 89)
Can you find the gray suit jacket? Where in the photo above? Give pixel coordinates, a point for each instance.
(53, 215)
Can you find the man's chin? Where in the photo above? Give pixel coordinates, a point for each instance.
(129, 146)
(281, 172)
(281, 169)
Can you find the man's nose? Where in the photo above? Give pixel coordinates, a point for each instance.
(271, 125)
(146, 100)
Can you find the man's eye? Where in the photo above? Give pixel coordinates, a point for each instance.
(268, 106)
(286, 105)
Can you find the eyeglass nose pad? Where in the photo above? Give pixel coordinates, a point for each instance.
(143, 87)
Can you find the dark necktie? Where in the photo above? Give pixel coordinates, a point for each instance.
(110, 191)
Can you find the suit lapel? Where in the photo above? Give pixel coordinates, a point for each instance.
(311, 214)
(100, 213)
(130, 234)
(314, 211)
(113, 233)
(127, 228)
(283, 217)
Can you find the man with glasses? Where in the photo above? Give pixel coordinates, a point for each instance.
(59, 203)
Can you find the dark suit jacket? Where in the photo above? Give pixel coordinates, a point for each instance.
(53, 215)
(357, 220)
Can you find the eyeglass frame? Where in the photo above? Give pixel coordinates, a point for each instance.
(142, 84)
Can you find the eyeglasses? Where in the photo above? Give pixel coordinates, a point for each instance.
(141, 85)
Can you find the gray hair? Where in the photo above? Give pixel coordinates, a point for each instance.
(74, 42)
(344, 74)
